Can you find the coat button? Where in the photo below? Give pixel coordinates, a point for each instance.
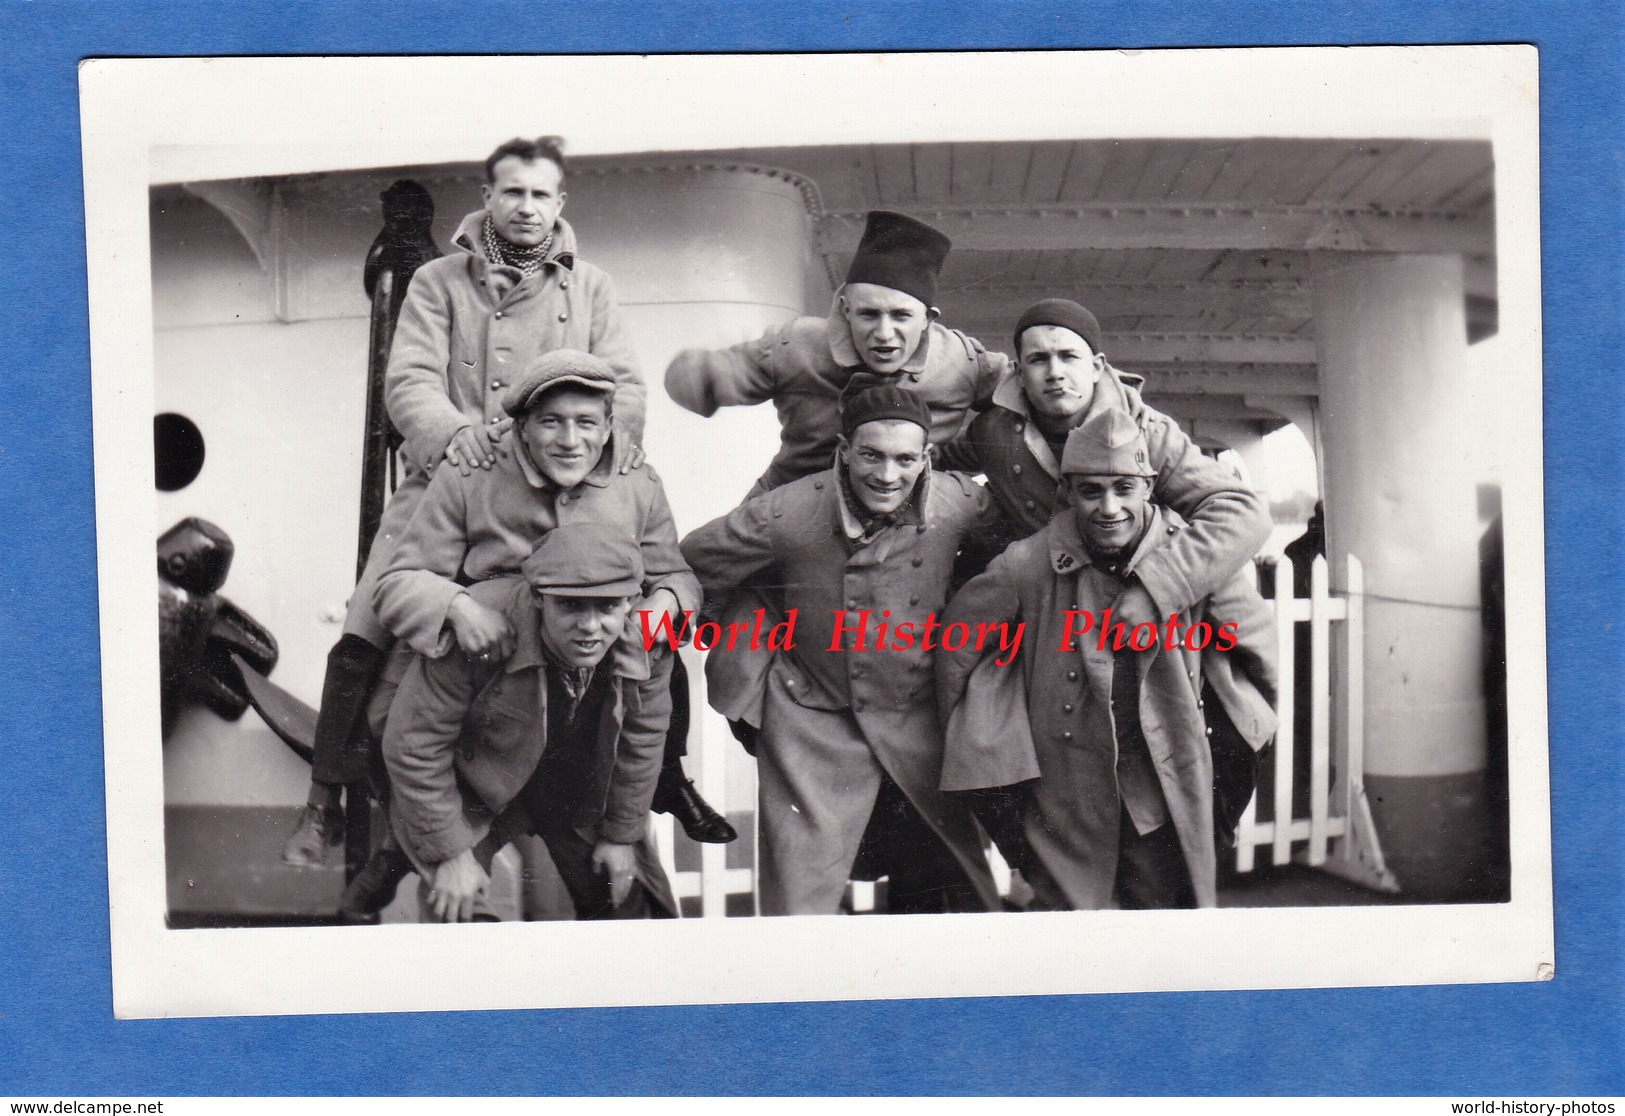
(496, 385)
(1210, 731)
(852, 605)
(564, 284)
(1020, 425)
(914, 600)
(1016, 469)
(920, 530)
(818, 484)
(1067, 708)
(1170, 530)
(1066, 735)
(857, 672)
(858, 705)
(499, 313)
(1071, 676)
(915, 562)
(564, 317)
(1031, 505)
(496, 419)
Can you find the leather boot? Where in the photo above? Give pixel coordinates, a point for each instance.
(675, 795)
(374, 886)
(340, 745)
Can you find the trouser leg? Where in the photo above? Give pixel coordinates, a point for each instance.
(1151, 871)
(817, 783)
(674, 793)
(342, 744)
(589, 888)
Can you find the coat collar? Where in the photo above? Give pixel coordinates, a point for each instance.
(602, 473)
(562, 253)
(627, 659)
(1111, 389)
(1067, 554)
(846, 353)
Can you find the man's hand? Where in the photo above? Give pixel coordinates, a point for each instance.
(1133, 607)
(616, 861)
(628, 454)
(480, 631)
(457, 883)
(662, 602)
(476, 447)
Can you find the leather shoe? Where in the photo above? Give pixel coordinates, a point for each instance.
(675, 795)
(320, 828)
(374, 886)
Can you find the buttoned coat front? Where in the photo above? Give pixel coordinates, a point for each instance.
(468, 329)
(1012, 723)
(804, 365)
(458, 722)
(484, 525)
(804, 537)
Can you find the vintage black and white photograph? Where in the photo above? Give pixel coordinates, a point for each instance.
(735, 528)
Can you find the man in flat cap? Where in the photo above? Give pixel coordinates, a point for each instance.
(1105, 714)
(882, 329)
(558, 733)
(850, 742)
(512, 288)
(472, 528)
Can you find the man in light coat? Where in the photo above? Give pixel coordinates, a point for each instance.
(850, 740)
(561, 736)
(513, 288)
(1106, 716)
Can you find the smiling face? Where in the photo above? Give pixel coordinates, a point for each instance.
(883, 461)
(564, 433)
(1058, 373)
(524, 198)
(581, 630)
(1112, 511)
(886, 324)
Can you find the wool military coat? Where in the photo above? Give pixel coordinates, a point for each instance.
(1005, 723)
(484, 525)
(461, 722)
(819, 562)
(468, 330)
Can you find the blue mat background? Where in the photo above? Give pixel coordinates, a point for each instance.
(57, 1034)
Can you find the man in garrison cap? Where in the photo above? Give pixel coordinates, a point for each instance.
(559, 732)
(850, 750)
(514, 286)
(1106, 716)
(560, 470)
(882, 328)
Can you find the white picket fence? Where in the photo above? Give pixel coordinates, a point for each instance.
(1337, 836)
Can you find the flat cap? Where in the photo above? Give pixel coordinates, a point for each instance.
(586, 560)
(1107, 444)
(554, 369)
(1061, 312)
(874, 403)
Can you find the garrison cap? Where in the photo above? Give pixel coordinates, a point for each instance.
(585, 560)
(1061, 312)
(1107, 444)
(901, 253)
(555, 369)
(875, 403)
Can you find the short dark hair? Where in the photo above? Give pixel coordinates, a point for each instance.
(547, 393)
(550, 148)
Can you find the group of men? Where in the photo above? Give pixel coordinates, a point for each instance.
(513, 640)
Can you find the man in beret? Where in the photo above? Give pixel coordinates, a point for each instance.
(882, 327)
(558, 732)
(850, 742)
(483, 525)
(1106, 716)
(513, 287)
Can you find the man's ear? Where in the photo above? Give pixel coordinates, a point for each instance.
(931, 453)
(932, 313)
(563, 197)
(485, 194)
(842, 447)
